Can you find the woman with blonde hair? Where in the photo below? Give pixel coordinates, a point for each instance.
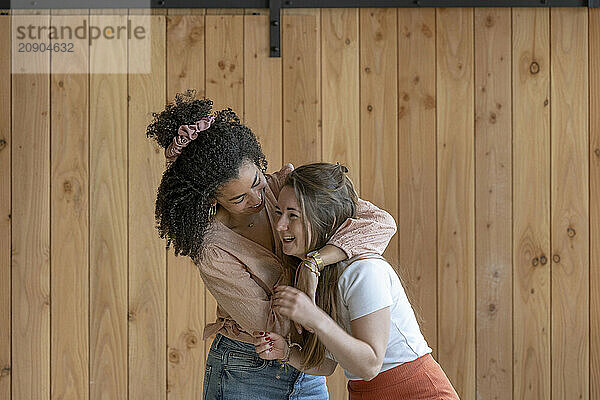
(362, 318)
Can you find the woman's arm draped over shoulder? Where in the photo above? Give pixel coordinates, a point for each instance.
(238, 294)
(369, 231)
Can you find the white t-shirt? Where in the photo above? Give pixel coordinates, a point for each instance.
(368, 285)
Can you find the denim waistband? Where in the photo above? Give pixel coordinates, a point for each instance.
(236, 354)
(222, 345)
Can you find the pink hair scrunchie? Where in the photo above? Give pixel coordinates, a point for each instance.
(185, 134)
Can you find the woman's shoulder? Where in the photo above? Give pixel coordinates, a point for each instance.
(366, 285)
(363, 266)
(214, 251)
(365, 263)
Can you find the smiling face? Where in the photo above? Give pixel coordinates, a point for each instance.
(291, 224)
(246, 194)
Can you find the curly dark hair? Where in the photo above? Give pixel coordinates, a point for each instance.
(191, 183)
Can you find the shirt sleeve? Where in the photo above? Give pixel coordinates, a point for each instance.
(369, 231)
(239, 294)
(365, 288)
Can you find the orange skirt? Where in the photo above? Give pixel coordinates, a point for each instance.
(420, 379)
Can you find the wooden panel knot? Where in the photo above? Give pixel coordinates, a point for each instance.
(556, 258)
(429, 102)
(571, 232)
(2, 144)
(534, 68)
(597, 152)
(5, 371)
(67, 186)
(174, 356)
(543, 260)
(426, 30)
(191, 341)
(535, 262)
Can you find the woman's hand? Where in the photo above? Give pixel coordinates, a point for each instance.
(289, 167)
(270, 346)
(297, 306)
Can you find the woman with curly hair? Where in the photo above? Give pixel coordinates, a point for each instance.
(216, 205)
(362, 317)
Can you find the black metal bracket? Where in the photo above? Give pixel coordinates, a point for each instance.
(275, 28)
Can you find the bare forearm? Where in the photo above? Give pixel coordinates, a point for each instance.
(354, 355)
(324, 369)
(331, 254)
(369, 231)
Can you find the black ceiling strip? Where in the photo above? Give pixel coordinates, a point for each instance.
(85, 4)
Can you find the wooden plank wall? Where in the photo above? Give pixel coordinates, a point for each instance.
(5, 209)
(69, 235)
(531, 203)
(147, 290)
(30, 226)
(569, 208)
(594, 156)
(477, 129)
(185, 292)
(455, 197)
(493, 191)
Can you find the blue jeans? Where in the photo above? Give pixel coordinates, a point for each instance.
(235, 372)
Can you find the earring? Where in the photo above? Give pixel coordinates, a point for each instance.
(212, 211)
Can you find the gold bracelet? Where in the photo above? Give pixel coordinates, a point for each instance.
(290, 345)
(315, 255)
(312, 267)
(286, 359)
(287, 356)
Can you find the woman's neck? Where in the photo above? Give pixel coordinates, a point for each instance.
(236, 220)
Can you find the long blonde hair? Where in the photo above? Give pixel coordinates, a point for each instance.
(327, 198)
